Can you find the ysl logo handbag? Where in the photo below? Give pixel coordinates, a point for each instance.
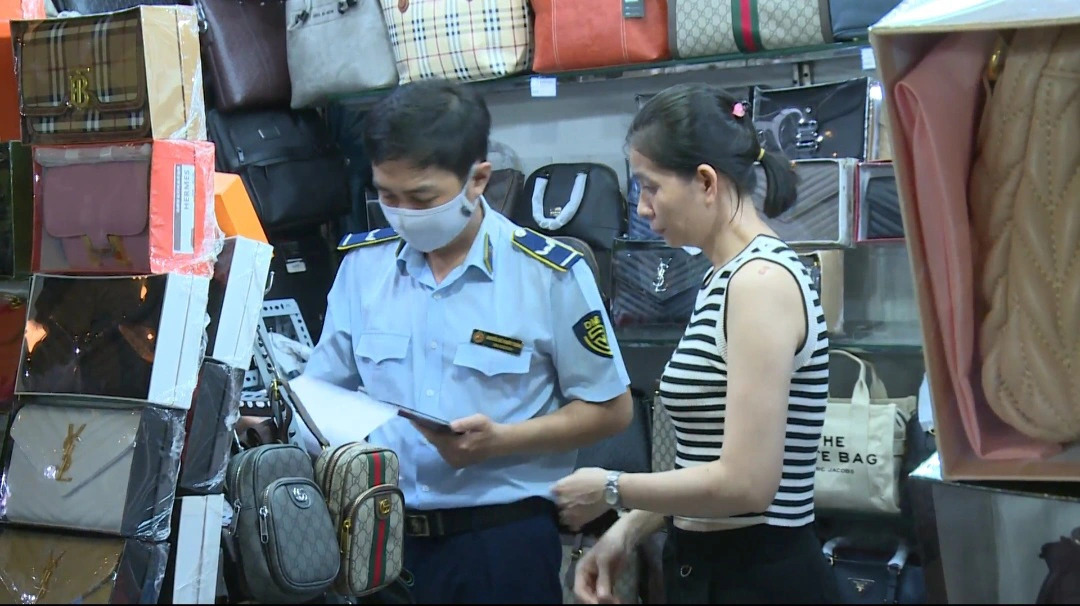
(47, 568)
(819, 121)
(107, 470)
(655, 284)
(121, 76)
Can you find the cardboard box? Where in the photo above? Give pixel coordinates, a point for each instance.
(198, 547)
(235, 302)
(138, 208)
(235, 212)
(900, 41)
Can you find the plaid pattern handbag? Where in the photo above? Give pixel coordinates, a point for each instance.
(110, 77)
(459, 39)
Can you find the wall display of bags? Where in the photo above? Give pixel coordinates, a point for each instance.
(824, 210)
(337, 47)
(878, 207)
(243, 46)
(93, 465)
(654, 284)
(700, 28)
(234, 303)
(51, 568)
(293, 171)
(144, 80)
(130, 337)
(137, 208)
(16, 209)
(819, 121)
(571, 35)
(862, 447)
(459, 39)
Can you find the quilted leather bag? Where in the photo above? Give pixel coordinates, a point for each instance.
(243, 46)
(699, 28)
(360, 483)
(459, 39)
(820, 121)
(571, 34)
(49, 568)
(654, 284)
(16, 209)
(83, 466)
(1027, 233)
(879, 202)
(337, 47)
(824, 209)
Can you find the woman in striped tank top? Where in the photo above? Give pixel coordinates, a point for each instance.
(746, 387)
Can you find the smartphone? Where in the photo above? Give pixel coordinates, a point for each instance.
(426, 421)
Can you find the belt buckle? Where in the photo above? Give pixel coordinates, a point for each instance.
(418, 525)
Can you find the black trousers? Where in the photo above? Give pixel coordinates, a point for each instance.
(515, 563)
(754, 565)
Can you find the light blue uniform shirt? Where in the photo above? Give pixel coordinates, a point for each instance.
(408, 341)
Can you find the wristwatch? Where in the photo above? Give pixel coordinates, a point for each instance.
(611, 489)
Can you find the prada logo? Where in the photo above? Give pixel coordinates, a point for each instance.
(68, 452)
(861, 585)
(79, 94)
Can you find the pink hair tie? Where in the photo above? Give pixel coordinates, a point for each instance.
(739, 111)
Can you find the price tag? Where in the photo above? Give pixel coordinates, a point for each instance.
(868, 61)
(633, 9)
(542, 86)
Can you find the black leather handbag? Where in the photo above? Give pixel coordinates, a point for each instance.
(866, 576)
(852, 18)
(879, 202)
(293, 171)
(303, 270)
(820, 121)
(1062, 582)
(655, 284)
(503, 190)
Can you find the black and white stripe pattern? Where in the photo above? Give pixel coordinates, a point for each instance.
(693, 387)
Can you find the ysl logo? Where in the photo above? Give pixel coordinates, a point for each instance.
(79, 88)
(69, 449)
(658, 283)
(46, 576)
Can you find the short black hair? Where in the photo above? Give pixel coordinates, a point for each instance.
(430, 123)
(688, 125)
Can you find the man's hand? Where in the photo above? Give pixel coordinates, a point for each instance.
(476, 439)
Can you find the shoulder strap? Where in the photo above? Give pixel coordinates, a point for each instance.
(279, 391)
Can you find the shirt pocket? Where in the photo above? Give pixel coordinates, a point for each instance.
(382, 361)
(499, 382)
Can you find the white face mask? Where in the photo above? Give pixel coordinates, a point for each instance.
(432, 228)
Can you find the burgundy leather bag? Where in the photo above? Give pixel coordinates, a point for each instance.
(243, 47)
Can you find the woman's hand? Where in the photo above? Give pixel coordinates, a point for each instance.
(594, 578)
(580, 496)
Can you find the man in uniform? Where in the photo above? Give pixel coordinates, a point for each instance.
(458, 313)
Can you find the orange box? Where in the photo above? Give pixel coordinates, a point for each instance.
(135, 208)
(9, 90)
(235, 212)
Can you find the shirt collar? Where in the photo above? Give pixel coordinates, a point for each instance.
(481, 254)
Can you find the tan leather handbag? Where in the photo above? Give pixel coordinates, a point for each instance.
(1026, 225)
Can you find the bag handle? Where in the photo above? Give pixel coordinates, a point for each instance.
(280, 392)
(568, 211)
(895, 564)
(861, 392)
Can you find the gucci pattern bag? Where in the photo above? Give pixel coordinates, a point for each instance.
(109, 470)
(38, 567)
(699, 28)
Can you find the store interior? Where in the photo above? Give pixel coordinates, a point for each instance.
(173, 231)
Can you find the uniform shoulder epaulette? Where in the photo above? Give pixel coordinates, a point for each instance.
(368, 238)
(548, 251)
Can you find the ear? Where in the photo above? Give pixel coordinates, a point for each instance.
(480, 176)
(709, 182)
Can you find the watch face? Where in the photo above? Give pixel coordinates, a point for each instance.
(610, 496)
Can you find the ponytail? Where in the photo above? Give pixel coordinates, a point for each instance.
(780, 182)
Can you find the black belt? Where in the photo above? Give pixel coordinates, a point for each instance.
(445, 522)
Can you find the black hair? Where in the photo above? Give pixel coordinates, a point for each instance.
(688, 125)
(429, 123)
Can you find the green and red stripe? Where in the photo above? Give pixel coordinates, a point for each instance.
(746, 25)
(378, 544)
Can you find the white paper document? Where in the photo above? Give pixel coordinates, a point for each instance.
(342, 415)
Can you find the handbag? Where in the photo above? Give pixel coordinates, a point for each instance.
(824, 209)
(819, 121)
(1062, 582)
(627, 584)
(16, 209)
(243, 46)
(851, 19)
(661, 436)
(879, 203)
(208, 443)
(503, 191)
(294, 172)
(580, 35)
(94, 466)
(88, 7)
(457, 40)
(360, 483)
(337, 47)
(654, 284)
(50, 568)
(700, 28)
(862, 447)
(867, 577)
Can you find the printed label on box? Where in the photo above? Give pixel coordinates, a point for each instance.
(184, 209)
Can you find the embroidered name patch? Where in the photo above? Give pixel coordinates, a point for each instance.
(592, 333)
(494, 341)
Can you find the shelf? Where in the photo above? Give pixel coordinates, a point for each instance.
(827, 52)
